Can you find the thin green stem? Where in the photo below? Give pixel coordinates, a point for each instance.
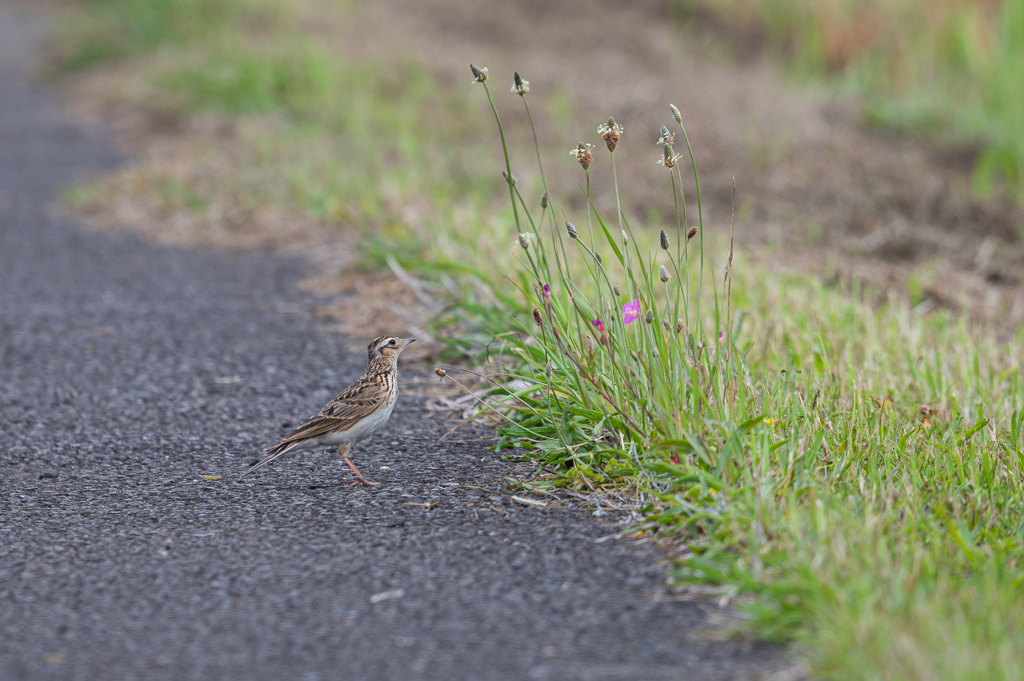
(700, 223)
(504, 149)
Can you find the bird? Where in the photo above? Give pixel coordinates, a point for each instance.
(357, 412)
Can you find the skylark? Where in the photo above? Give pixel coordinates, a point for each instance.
(355, 414)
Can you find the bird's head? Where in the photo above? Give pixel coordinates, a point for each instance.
(387, 347)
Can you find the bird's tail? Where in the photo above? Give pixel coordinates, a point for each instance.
(275, 451)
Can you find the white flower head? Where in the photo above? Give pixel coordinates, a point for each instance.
(669, 158)
(610, 132)
(610, 126)
(520, 86)
(479, 74)
(582, 154)
(666, 137)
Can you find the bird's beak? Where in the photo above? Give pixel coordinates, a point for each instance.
(407, 341)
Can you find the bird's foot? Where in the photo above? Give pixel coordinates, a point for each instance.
(360, 481)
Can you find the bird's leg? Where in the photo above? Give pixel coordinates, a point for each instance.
(343, 450)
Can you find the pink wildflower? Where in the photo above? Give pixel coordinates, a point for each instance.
(631, 312)
(547, 292)
(599, 324)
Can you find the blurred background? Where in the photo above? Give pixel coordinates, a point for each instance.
(874, 141)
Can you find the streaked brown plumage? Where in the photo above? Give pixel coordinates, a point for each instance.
(355, 414)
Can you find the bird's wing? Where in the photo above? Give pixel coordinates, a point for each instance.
(354, 403)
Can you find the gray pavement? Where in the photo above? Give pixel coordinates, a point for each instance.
(129, 370)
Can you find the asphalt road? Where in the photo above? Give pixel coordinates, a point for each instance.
(128, 371)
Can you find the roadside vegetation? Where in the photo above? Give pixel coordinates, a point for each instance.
(851, 472)
(951, 68)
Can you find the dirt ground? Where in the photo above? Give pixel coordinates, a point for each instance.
(817, 190)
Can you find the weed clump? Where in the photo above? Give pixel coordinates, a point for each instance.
(838, 505)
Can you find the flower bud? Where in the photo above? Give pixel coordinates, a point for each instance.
(524, 241)
(663, 240)
(537, 319)
(649, 317)
(510, 180)
(598, 257)
(691, 233)
(570, 229)
(666, 325)
(616, 291)
(479, 75)
(663, 274)
(675, 114)
(544, 200)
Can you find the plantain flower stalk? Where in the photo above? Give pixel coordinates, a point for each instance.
(519, 86)
(583, 154)
(610, 132)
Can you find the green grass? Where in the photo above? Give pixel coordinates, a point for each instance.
(852, 471)
(108, 30)
(951, 68)
(858, 472)
(323, 134)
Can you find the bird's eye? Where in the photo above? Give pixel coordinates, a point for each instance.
(392, 342)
